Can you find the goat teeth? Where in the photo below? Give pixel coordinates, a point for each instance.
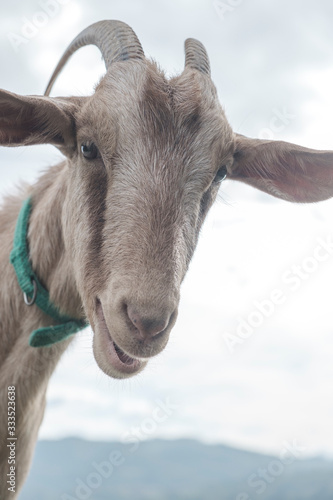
(124, 358)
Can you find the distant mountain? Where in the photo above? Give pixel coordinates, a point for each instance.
(74, 469)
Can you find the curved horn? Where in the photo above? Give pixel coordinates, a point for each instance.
(196, 56)
(115, 39)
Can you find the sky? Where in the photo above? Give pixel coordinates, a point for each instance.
(249, 360)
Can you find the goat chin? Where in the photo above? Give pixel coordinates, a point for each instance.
(112, 360)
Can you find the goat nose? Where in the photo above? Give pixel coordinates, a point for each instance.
(147, 327)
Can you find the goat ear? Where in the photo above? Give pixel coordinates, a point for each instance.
(284, 170)
(26, 120)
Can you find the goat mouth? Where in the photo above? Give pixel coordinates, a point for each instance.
(119, 359)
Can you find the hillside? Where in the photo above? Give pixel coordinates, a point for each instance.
(171, 470)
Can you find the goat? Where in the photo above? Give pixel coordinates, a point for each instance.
(110, 231)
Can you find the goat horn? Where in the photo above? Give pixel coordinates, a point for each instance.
(115, 39)
(196, 56)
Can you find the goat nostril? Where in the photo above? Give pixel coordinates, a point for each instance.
(147, 327)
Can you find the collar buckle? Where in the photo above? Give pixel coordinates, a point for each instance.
(34, 295)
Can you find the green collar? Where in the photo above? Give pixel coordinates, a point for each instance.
(32, 287)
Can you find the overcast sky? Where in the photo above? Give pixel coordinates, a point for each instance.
(272, 65)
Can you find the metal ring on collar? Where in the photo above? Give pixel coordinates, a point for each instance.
(34, 295)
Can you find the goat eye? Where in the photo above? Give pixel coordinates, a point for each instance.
(89, 150)
(221, 174)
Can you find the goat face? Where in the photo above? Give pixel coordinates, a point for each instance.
(141, 182)
(145, 156)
